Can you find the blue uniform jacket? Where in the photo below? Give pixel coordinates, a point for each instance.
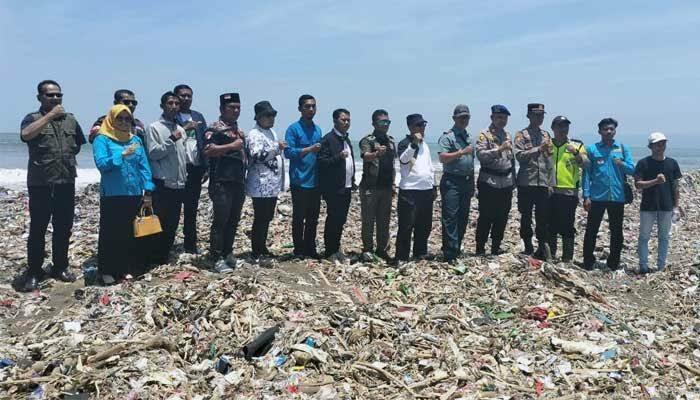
(603, 180)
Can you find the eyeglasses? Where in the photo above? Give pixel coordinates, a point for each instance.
(129, 102)
(383, 122)
(53, 95)
(123, 119)
(420, 123)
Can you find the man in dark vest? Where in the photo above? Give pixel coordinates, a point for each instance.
(54, 138)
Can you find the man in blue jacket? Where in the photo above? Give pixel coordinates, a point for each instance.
(603, 190)
(303, 144)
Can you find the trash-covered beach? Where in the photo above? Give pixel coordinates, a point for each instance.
(506, 327)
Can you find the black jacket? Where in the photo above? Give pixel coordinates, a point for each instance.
(331, 165)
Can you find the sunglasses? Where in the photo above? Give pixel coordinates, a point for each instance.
(383, 122)
(123, 119)
(53, 95)
(129, 102)
(309, 106)
(420, 123)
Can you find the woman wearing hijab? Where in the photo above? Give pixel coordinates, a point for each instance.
(124, 184)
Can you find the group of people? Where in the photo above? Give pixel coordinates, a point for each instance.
(164, 165)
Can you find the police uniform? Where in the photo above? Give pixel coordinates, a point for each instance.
(564, 199)
(226, 183)
(534, 180)
(495, 184)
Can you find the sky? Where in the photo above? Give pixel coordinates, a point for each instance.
(638, 62)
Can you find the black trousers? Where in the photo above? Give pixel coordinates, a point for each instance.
(227, 200)
(55, 203)
(306, 204)
(193, 190)
(167, 204)
(494, 207)
(415, 209)
(530, 197)
(118, 251)
(562, 215)
(337, 206)
(616, 213)
(263, 212)
(456, 192)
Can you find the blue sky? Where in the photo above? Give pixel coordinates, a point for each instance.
(637, 61)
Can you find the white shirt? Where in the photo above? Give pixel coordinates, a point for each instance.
(416, 173)
(266, 168)
(349, 164)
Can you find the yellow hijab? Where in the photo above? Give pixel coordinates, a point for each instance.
(109, 128)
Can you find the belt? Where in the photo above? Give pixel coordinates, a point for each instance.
(496, 172)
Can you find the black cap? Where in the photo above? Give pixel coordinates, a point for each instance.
(460, 110)
(535, 108)
(264, 108)
(560, 119)
(499, 109)
(229, 98)
(413, 119)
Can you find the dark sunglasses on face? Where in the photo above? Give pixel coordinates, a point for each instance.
(130, 102)
(420, 124)
(384, 122)
(124, 119)
(53, 95)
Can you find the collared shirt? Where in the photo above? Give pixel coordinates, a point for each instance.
(168, 158)
(497, 168)
(536, 168)
(229, 167)
(379, 172)
(195, 140)
(266, 171)
(302, 168)
(603, 180)
(451, 141)
(417, 172)
(349, 167)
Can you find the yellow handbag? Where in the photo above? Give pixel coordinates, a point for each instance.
(146, 225)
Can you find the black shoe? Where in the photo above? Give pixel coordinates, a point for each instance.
(497, 251)
(529, 249)
(480, 251)
(62, 275)
(383, 255)
(31, 283)
(191, 250)
(313, 255)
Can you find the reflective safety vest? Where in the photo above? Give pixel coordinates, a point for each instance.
(566, 168)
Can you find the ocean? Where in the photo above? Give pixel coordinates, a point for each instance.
(13, 160)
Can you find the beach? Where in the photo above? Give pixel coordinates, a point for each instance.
(490, 326)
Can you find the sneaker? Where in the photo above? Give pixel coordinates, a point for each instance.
(108, 279)
(619, 274)
(233, 262)
(222, 267)
(337, 257)
(265, 262)
(367, 257)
